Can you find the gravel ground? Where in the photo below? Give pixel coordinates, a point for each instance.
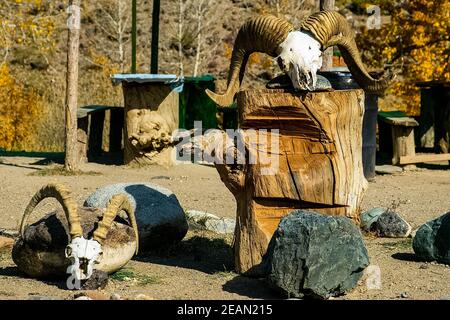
(200, 267)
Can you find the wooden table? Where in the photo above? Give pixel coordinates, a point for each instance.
(99, 131)
(399, 128)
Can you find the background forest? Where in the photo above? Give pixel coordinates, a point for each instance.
(196, 37)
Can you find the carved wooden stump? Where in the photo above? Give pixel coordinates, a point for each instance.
(151, 116)
(319, 168)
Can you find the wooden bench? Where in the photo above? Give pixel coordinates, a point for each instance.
(401, 129)
(100, 129)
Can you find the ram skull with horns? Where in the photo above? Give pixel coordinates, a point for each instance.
(75, 238)
(298, 52)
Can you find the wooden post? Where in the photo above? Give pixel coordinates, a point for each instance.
(319, 163)
(327, 57)
(133, 36)
(73, 44)
(403, 142)
(155, 36)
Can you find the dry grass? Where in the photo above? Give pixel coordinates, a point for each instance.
(226, 274)
(130, 275)
(5, 254)
(403, 244)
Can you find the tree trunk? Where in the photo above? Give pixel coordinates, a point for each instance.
(133, 36)
(327, 57)
(120, 32)
(199, 37)
(71, 158)
(317, 165)
(180, 37)
(155, 36)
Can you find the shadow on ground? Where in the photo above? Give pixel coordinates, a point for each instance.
(250, 287)
(3, 163)
(434, 166)
(14, 272)
(406, 256)
(48, 161)
(209, 255)
(107, 158)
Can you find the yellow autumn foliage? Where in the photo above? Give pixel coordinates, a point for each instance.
(20, 108)
(108, 67)
(23, 25)
(415, 44)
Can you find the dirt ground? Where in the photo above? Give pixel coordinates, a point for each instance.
(201, 266)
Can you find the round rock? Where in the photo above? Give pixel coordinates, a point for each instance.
(315, 255)
(211, 222)
(98, 280)
(369, 217)
(432, 240)
(221, 226)
(391, 225)
(159, 216)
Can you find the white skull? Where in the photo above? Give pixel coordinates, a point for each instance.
(300, 58)
(84, 254)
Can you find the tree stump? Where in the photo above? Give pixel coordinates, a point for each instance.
(319, 163)
(151, 116)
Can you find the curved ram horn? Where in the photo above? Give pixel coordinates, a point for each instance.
(331, 28)
(261, 34)
(64, 197)
(116, 204)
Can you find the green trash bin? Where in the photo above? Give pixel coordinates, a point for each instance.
(195, 105)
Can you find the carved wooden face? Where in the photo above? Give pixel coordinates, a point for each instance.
(149, 132)
(300, 59)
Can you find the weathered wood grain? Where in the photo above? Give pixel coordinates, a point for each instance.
(403, 143)
(151, 116)
(319, 163)
(424, 158)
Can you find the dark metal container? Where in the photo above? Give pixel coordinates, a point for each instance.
(343, 80)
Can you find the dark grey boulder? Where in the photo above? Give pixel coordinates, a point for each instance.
(391, 225)
(159, 216)
(369, 217)
(432, 240)
(315, 255)
(97, 281)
